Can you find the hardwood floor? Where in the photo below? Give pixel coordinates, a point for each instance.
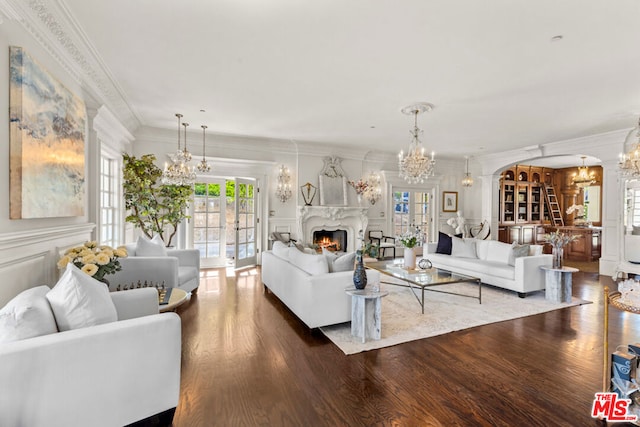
(249, 361)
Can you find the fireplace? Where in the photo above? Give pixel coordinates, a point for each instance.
(332, 240)
(351, 220)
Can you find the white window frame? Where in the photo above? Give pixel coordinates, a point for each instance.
(110, 191)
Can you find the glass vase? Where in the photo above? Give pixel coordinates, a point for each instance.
(359, 274)
(557, 254)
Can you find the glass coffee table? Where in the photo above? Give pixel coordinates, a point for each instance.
(424, 279)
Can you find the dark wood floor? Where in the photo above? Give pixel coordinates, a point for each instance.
(248, 361)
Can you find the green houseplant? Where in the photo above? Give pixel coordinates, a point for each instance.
(154, 207)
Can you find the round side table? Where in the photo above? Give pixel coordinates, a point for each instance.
(558, 283)
(366, 309)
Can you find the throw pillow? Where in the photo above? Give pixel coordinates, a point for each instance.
(462, 248)
(499, 252)
(339, 261)
(482, 248)
(444, 244)
(281, 250)
(535, 250)
(312, 264)
(153, 247)
(518, 251)
(27, 315)
(78, 300)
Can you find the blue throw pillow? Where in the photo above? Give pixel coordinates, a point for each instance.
(444, 244)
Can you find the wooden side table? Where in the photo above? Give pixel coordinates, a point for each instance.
(558, 283)
(366, 310)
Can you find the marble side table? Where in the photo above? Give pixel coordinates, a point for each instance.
(366, 310)
(558, 283)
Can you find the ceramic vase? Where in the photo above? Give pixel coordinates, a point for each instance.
(410, 258)
(557, 253)
(359, 274)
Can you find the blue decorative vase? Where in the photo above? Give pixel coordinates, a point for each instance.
(359, 274)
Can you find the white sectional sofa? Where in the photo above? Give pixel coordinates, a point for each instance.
(494, 263)
(304, 284)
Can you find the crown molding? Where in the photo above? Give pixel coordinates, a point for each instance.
(54, 28)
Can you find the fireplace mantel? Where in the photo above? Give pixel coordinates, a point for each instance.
(352, 219)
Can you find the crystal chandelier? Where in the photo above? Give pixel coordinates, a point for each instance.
(630, 161)
(467, 181)
(178, 171)
(415, 167)
(283, 191)
(203, 166)
(583, 178)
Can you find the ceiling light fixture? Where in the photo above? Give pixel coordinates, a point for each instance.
(203, 166)
(467, 181)
(179, 172)
(630, 162)
(583, 178)
(415, 167)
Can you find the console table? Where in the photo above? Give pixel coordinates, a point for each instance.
(366, 310)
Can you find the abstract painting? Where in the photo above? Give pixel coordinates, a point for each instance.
(47, 130)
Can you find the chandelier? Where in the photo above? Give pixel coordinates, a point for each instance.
(415, 167)
(630, 161)
(283, 191)
(467, 181)
(583, 178)
(178, 171)
(203, 166)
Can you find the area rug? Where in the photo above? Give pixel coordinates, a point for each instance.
(402, 320)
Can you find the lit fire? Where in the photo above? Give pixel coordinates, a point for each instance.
(326, 242)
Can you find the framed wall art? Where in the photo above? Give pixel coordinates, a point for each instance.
(449, 201)
(46, 131)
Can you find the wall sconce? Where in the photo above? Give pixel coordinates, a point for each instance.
(283, 191)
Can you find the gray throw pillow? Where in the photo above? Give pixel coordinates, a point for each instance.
(339, 262)
(517, 252)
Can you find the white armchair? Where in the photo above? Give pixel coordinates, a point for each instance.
(112, 374)
(179, 269)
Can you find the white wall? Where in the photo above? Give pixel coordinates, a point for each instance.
(29, 248)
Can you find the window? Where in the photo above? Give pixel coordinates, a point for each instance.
(109, 227)
(411, 209)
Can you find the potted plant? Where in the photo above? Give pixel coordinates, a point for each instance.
(154, 207)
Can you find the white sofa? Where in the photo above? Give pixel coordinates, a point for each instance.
(489, 260)
(317, 298)
(112, 374)
(180, 268)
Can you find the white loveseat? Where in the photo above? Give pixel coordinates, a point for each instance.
(176, 268)
(494, 263)
(316, 295)
(111, 374)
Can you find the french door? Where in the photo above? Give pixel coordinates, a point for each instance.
(245, 223)
(224, 222)
(209, 223)
(413, 209)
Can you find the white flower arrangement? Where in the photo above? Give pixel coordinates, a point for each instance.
(408, 239)
(94, 260)
(558, 239)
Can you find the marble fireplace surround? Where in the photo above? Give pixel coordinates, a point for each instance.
(331, 218)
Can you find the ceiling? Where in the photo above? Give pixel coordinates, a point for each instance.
(338, 72)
